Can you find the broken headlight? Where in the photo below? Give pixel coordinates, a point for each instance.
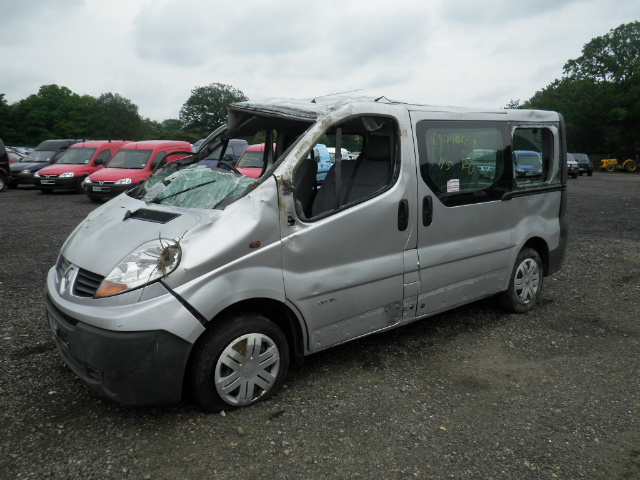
(149, 262)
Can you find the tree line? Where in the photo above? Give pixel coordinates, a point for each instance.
(599, 95)
(57, 112)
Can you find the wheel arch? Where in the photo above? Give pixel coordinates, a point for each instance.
(540, 246)
(277, 312)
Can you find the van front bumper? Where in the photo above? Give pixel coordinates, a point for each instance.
(133, 368)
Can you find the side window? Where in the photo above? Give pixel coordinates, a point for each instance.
(532, 151)
(326, 185)
(464, 162)
(103, 157)
(157, 159)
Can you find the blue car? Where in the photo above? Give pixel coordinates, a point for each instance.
(322, 157)
(528, 163)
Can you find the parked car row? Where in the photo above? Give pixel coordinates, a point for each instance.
(100, 168)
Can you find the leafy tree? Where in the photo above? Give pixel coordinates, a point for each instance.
(117, 118)
(206, 108)
(614, 57)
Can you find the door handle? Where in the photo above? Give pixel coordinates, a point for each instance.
(427, 210)
(403, 215)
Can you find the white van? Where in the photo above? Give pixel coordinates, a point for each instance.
(205, 281)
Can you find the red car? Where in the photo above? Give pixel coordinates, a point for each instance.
(131, 166)
(251, 162)
(76, 163)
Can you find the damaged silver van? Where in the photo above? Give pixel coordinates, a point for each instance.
(205, 282)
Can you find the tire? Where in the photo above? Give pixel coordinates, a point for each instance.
(610, 168)
(574, 175)
(589, 173)
(46, 191)
(79, 188)
(95, 199)
(631, 167)
(525, 283)
(222, 375)
(3, 183)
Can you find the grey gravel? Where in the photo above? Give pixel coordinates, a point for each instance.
(475, 393)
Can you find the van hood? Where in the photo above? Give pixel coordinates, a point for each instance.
(31, 166)
(56, 169)
(115, 229)
(113, 174)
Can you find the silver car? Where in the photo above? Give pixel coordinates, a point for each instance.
(204, 281)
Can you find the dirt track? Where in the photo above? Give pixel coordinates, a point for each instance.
(470, 394)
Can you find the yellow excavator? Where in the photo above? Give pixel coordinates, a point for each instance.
(613, 164)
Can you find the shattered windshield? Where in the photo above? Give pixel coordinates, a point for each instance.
(195, 186)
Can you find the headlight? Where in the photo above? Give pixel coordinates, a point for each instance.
(26, 171)
(150, 262)
(67, 174)
(123, 181)
(86, 180)
(37, 174)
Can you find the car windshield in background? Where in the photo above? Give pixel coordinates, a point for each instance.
(195, 186)
(251, 159)
(39, 156)
(128, 158)
(76, 156)
(532, 160)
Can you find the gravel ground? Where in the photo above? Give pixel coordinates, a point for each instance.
(474, 393)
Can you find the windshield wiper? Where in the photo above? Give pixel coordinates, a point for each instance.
(160, 200)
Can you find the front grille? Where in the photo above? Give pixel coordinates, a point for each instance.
(87, 283)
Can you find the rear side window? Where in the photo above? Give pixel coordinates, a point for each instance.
(465, 162)
(532, 153)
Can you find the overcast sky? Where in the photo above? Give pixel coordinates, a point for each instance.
(471, 53)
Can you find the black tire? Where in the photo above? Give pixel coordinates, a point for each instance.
(46, 191)
(79, 188)
(215, 382)
(574, 175)
(3, 182)
(525, 283)
(589, 173)
(95, 199)
(12, 183)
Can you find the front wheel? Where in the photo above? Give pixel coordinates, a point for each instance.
(525, 283)
(237, 363)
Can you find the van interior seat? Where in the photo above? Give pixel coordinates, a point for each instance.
(360, 178)
(305, 185)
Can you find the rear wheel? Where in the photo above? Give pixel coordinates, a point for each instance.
(525, 283)
(631, 167)
(237, 363)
